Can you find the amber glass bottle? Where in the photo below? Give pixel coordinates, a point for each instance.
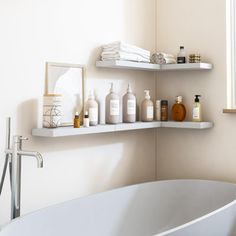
(178, 110)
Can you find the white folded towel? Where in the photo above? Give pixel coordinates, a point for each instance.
(124, 56)
(124, 47)
(163, 58)
(123, 53)
(164, 55)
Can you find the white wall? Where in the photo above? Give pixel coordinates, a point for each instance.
(210, 154)
(33, 32)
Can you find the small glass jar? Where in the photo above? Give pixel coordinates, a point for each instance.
(164, 110)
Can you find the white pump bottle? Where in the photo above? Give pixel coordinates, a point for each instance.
(91, 107)
(147, 110)
(112, 107)
(129, 106)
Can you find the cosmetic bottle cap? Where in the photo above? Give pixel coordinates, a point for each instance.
(179, 99)
(86, 115)
(91, 94)
(129, 89)
(147, 96)
(164, 103)
(197, 98)
(76, 114)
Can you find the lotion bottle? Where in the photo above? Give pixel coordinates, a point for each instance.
(112, 107)
(129, 106)
(147, 108)
(197, 109)
(91, 107)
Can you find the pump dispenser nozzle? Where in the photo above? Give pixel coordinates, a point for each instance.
(147, 95)
(197, 98)
(91, 94)
(111, 89)
(129, 89)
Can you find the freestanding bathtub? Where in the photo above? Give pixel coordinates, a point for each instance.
(175, 207)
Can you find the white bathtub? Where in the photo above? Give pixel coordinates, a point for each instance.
(176, 207)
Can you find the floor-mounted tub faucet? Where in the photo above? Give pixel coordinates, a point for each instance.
(14, 156)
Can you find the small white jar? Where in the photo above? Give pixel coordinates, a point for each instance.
(52, 110)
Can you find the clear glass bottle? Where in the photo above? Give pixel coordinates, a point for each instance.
(197, 109)
(178, 109)
(181, 56)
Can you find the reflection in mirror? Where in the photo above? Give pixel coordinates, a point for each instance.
(68, 81)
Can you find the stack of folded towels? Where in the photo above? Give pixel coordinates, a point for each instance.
(163, 58)
(123, 51)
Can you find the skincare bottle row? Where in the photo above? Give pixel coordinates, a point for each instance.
(113, 109)
(178, 110)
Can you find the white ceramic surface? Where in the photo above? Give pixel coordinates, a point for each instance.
(175, 207)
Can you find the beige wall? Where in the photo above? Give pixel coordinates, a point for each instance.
(209, 154)
(33, 32)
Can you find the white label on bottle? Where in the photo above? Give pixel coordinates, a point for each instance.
(150, 112)
(158, 110)
(196, 113)
(131, 107)
(114, 107)
(93, 114)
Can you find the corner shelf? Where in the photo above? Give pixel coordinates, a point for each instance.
(70, 131)
(117, 64)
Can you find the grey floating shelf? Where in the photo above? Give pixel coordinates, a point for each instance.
(70, 131)
(117, 64)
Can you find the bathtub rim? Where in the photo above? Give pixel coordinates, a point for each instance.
(201, 218)
(135, 185)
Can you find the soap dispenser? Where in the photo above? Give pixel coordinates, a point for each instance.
(129, 106)
(112, 107)
(178, 109)
(91, 106)
(197, 109)
(147, 108)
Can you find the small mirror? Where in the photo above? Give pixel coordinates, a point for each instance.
(66, 80)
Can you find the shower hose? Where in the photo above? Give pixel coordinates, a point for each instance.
(4, 173)
(7, 156)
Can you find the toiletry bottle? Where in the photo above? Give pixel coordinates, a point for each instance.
(158, 110)
(77, 120)
(178, 109)
(129, 106)
(164, 110)
(91, 106)
(181, 57)
(112, 107)
(86, 120)
(147, 108)
(197, 110)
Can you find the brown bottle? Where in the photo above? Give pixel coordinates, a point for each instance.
(77, 120)
(178, 110)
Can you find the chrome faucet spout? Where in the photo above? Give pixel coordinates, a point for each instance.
(15, 154)
(37, 155)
